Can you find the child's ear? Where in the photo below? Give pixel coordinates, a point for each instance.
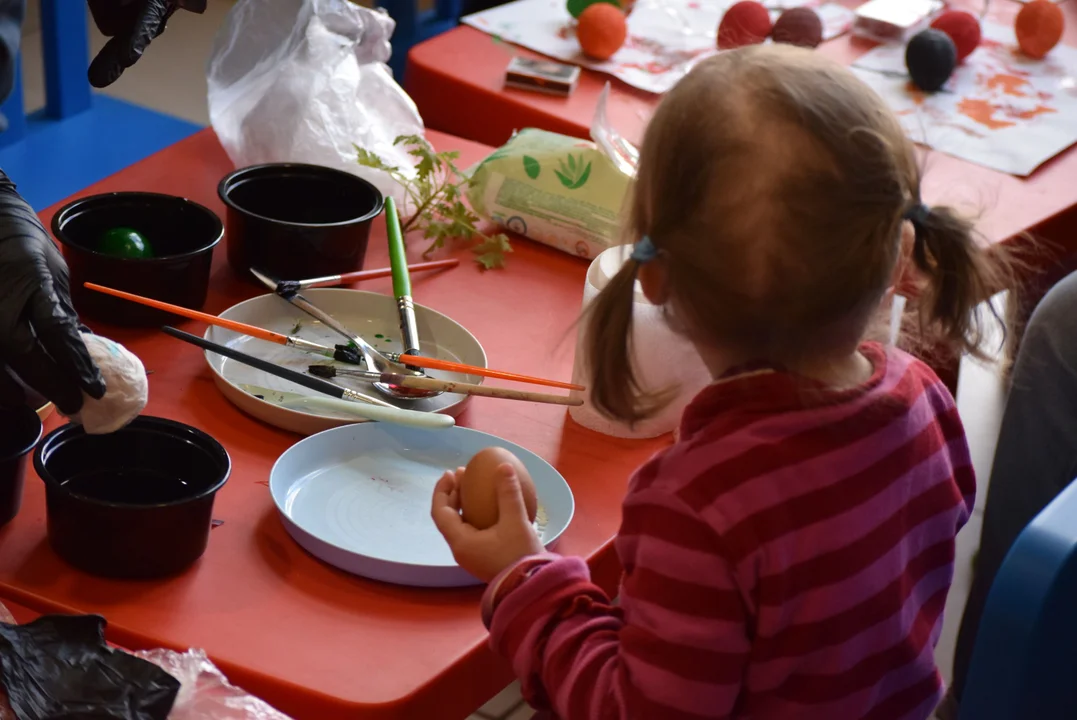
(654, 278)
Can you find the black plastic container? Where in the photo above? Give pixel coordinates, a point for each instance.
(295, 222)
(137, 503)
(20, 429)
(182, 233)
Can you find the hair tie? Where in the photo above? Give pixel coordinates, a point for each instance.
(644, 251)
(917, 214)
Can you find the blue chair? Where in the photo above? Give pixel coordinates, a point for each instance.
(413, 26)
(79, 137)
(1025, 661)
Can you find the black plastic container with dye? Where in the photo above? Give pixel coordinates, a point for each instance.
(182, 234)
(20, 429)
(136, 503)
(294, 221)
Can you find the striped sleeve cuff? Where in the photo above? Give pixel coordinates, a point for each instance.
(509, 579)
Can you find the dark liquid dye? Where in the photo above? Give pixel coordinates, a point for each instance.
(130, 487)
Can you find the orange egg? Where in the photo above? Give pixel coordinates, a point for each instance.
(1039, 27)
(478, 487)
(602, 30)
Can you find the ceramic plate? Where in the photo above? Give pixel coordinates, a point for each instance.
(370, 315)
(358, 497)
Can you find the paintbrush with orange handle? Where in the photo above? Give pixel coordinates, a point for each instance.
(323, 350)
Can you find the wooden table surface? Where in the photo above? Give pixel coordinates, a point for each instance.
(314, 641)
(456, 79)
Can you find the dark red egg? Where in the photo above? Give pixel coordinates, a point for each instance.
(963, 28)
(744, 23)
(798, 26)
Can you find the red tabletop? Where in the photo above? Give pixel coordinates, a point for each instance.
(21, 613)
(314, 641)
(456, 79)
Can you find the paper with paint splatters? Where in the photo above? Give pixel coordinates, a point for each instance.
(1000, 109)
(666, 38)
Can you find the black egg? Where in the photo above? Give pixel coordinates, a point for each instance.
(931, 58)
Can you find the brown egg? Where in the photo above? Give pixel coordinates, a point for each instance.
(478, 487)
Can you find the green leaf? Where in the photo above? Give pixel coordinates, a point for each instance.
(583, 178)
(565, 179)
(571, 162)
(532, 167)
(370, 160)
(427, 164)
(491, 252)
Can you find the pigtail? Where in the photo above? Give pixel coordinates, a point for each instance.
(614, 387)
(960, 274)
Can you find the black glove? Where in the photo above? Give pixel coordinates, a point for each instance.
(131, 25)
(39, 330)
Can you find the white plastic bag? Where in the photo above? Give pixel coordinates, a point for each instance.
(205, 693)
(306, 81)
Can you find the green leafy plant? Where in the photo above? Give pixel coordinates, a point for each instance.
(436, 201)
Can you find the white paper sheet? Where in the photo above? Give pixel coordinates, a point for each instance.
(666, 37)
(1000, 109)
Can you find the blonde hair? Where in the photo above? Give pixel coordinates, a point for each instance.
(774, 185)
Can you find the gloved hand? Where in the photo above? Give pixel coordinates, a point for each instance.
(131, 25)
(39, 330)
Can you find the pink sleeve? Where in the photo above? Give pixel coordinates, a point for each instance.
(676, 648)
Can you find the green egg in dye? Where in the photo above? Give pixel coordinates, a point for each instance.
(125, 242)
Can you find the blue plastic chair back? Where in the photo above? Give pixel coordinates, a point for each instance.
(1025, 661)
(413, 26)
(65, 46)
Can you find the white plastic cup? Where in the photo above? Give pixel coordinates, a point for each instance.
(662, 358)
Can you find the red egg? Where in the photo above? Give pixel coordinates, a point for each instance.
(744, 23)
(963, 28)
(1039, 27)
(799, 26)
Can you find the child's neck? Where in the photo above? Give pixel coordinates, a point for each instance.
(838, 370)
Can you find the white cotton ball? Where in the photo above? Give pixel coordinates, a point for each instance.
(126, 387)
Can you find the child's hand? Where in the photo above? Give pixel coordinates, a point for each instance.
(485, 553)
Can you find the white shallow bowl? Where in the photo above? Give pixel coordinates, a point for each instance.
(358, 497)
(370, 315)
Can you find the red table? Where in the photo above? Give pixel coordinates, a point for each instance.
(21, 613)
(316, 642)
(456, 79)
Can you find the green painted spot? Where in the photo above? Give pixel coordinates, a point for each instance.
(379, 336)
(576, 7)
(125, 242)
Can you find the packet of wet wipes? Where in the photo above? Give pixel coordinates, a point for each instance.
(557, 190)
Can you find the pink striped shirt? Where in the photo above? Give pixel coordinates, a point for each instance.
(788, 557)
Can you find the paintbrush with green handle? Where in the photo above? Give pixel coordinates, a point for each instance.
(398, 261)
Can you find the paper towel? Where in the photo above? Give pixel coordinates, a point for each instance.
(126, 387)
(662, 358)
